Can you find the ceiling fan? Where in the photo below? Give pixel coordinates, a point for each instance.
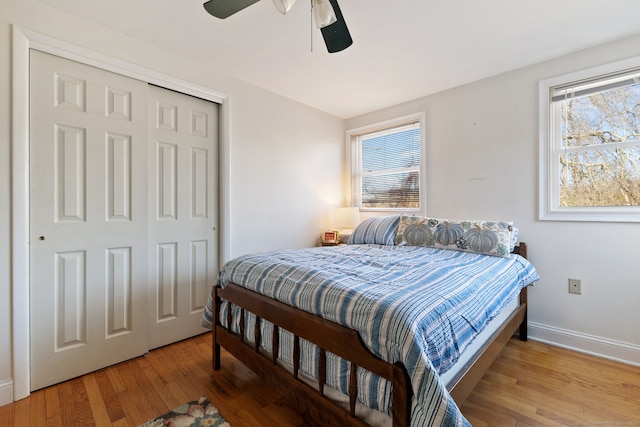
(326, 13)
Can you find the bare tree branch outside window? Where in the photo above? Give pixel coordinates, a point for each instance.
(600, 162)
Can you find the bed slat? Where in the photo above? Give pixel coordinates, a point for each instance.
(242, 325)
(229, 317)
(257, 335)
(322, 371)
(276, 343)
(353, 388)
(296, 356)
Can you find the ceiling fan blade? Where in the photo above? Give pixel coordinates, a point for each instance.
(336, 36)
(225, 8)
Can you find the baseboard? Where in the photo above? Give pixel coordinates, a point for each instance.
(6, 392)
(597, 346)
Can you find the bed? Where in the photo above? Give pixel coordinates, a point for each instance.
(395, 328)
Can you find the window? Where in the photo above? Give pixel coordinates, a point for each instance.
(386, 166)
(590, 145)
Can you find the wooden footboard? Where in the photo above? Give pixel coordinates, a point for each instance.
(327, 335)
(345, 343)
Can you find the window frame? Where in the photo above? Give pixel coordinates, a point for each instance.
(549, 149)
(353, 163)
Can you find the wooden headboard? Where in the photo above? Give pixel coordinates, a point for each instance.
(521, 249)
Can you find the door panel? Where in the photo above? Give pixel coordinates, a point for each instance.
(123, 211)
(88, 219)
(182, 238)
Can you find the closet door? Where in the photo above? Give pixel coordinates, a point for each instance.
(183, 133)
(88, 219)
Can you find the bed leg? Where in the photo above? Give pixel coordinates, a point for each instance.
(215, 357)
(523, 326)
(523, 330)
(215, 352)
(401, 396)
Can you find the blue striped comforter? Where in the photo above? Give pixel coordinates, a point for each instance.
(420, 306)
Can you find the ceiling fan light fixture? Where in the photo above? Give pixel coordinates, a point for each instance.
(323, 13)
(284, 6)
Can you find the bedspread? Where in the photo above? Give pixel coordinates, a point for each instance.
(420, 306)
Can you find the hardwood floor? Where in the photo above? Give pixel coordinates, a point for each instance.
(533, 384)
(530, 384)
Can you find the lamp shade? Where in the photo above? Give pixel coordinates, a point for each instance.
(284, 6)
(347, 218)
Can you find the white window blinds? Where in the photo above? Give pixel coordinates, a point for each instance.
(390, 167)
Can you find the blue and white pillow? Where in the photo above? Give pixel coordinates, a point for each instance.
(379, 230)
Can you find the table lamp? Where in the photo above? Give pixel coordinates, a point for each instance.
(346, 220)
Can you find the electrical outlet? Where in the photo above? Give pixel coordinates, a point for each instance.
(575, 286)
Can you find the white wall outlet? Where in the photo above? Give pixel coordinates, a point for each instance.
(575, 286)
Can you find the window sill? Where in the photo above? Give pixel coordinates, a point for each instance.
(593, 215)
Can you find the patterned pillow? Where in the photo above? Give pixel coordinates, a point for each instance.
(514, 238)
(483, 237)
(379, 230)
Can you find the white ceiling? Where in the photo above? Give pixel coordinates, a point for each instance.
(403, 49)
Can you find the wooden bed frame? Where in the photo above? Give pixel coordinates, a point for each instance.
(344, 342)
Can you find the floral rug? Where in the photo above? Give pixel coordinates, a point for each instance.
(197, 413)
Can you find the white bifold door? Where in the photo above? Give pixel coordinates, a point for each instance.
(182, 205)
(123, 211)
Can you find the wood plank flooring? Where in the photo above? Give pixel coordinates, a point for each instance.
(530, 384)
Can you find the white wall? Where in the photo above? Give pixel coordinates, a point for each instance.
(286, 159)
(482, 148)
(6, 387)
(287, 171)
